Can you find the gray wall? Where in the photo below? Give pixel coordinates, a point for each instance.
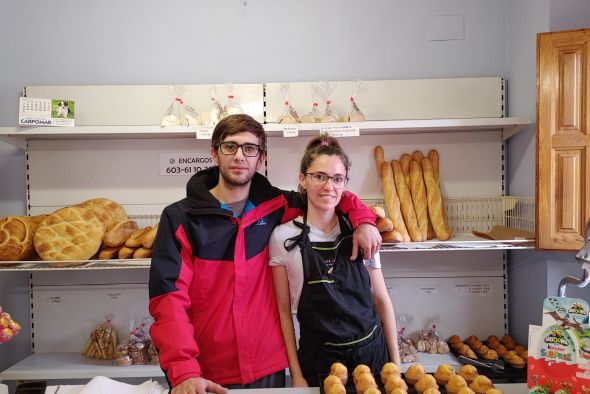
(66, 42)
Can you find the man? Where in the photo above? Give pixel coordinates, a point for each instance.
(211, 290)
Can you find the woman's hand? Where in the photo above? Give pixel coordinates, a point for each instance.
(198, 386)
(298, 381)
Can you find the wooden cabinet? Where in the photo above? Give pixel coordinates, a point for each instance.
(563, 140)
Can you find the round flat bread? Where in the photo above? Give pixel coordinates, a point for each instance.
(16, 238)
(108, 211)
(71, 233)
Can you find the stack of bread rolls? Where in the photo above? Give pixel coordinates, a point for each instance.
(412, 197)
(94, 228)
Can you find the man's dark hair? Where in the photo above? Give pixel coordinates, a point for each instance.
(234, 124)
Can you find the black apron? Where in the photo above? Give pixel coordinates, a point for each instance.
(336, 313)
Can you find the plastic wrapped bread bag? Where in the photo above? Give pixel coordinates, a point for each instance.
(330, 114)
(213, 114)
(8, 327)
(179, 113)
(354, 114)
(103, 341)
(313, 116)
(289, 114)
(407, 350)
(232, 106)
(430, 341)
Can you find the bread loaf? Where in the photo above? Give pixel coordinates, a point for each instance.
(384, 225)
(108, 253)
(392, 236)
(126, 253)
(436, 205)
(148, 238)
(404, 160)
(392, 201)
(377, 210)
(119, 233)
(142, 253)
(407, 206)
(418, 192)
(136, 238)
(417, 155)
(108, 211)
(434, 160)
(71, 233)
(16, 238)
(379, 158)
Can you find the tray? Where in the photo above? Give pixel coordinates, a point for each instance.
(508, 374)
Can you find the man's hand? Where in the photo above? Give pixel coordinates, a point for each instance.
(367, 237)
(198, 386)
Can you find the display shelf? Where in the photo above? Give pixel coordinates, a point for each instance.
(18, 136)
(461, 241)
(74, 366)
(81, 265)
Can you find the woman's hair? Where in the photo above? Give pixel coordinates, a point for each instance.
(322, 145)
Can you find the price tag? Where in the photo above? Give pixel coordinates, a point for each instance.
(473, 289)
(184, 163)
(427, 290)
(205, 133)
(340, 130)
(114, 296)
(54, 300)
(290, 130)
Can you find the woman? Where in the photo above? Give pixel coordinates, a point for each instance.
(343, 308)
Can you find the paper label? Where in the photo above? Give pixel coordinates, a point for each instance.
(46, 112)
(205, 133)
(290, 130)
(340, 130)
(184, 163)
(473, 289)
(427, 290)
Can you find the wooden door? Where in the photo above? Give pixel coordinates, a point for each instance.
(563, 140)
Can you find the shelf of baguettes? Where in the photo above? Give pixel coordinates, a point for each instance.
(73, 366)
(18, 136)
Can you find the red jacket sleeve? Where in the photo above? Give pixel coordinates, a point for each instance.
(171, 274)
(356, 211)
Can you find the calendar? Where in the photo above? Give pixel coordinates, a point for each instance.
(46, 112)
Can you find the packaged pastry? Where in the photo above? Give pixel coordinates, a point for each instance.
(179, 113)
(313, 116)
(213, 113)
(289, 114)
(8, 327)
(103, 341)
(326, 91)
(407, 350)
(138, 346)
(354, 113)
(232, 106)
(430, 341)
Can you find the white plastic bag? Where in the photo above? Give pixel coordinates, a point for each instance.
(289, 114)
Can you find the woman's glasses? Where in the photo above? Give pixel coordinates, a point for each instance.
(320, 178)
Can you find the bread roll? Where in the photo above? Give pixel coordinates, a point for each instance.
(384, 225)
(135, 239)
(404, 160)
(392, 201)
(108, 253)
(147, 240)
(142, 253)
(433, 156)
(407, 207)
(417, 155)
(119, 233)
(108, 211)
(71, 233)
(126, 253)
(392, 236)
(418, 191)
(378, 211)
(436, 205)
(379, 158)
(16, 238)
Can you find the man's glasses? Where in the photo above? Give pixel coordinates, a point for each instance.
(231, 148)
(320, 178)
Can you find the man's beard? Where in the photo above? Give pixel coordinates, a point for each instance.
(235, 181)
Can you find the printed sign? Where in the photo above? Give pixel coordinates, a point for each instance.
(290, 131)
(427, 290)
(340, 130)
(184, 163)
(473, 289)
(204, 133)
(46, 112)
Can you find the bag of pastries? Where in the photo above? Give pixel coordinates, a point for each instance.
(102, 342)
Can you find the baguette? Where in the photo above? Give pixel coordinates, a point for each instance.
(377, 210)
(418, 191)
(135, 239)
(433, 156)
(147, 241)
(379, 158)
(407, 207)
(142, 253)
(417, 155)
(119, 233)
(392, 201)
(436, 205)
(126, 253)
(405, 160)
(384, 225)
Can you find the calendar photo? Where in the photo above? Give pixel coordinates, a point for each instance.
(46, 112)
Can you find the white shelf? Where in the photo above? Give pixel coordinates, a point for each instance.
(460, 241)
(82, 265)
(18, 136)
(74, 366)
